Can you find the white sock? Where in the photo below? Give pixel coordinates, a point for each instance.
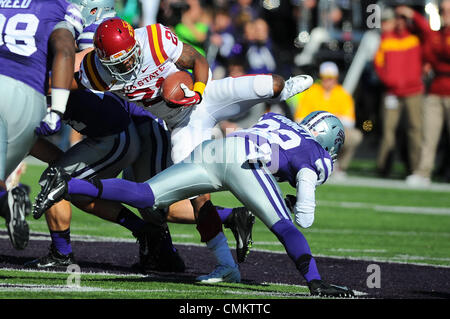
(219, 247)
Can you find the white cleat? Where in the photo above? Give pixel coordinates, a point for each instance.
(222, 273)
(416, 180)
(295, 85)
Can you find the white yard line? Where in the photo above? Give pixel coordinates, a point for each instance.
(354, 181)
(388, 208)
(10, 287)
(399, 259)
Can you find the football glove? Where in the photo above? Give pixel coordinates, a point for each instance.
(290, 201)
(191, 98)
(301, 219)
(50, 124)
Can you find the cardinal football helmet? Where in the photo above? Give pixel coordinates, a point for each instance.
(327, 130)
(94, 10)
(117, 48)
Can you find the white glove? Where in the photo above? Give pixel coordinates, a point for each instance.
(50, 124)
(304, 220)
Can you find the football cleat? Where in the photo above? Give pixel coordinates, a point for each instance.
(295, 85)
(323, 289)
(156, 251)
(15, 207)
(222, 273)
(241, 221)
(53, 260)
(416, 180)
(54, 190)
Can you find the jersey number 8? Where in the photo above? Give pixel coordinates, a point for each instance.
(19, 41)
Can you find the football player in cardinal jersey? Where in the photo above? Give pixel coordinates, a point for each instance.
(33, 36)
(134, 63)
(105, 121)
(248, 163)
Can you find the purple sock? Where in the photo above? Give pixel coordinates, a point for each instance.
(138, 195)
(61, 241)
(297, 248)
(223, 212)
(129, 220)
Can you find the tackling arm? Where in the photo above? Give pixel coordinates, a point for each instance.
(306, 203)
(62, 44)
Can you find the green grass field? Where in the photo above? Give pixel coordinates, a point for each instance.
(395, 225)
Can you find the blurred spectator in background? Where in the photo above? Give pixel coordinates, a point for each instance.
(241, 12)
(398, 64)
(222, 43)
(437, 104)
(282, 18)
(170, 12)
(130, 11)
(330, 96)
(194, 25)
(258, 47)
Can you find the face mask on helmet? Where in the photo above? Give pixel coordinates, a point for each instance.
(117, 48)
(122, 65)
(327, 130)
(94, 10)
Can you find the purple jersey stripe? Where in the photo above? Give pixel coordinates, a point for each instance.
(277, 193)
(255, 168)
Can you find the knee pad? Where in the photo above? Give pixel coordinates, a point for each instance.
(263, 86)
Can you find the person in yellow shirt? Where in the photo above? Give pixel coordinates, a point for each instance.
(330, 96)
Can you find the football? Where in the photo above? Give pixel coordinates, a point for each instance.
(171, 89)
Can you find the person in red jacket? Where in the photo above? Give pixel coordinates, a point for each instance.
(398, 63)
(436, 110)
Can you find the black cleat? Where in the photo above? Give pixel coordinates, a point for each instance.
(54, 190)
(241, 221)
(156, 251)
(323, 289)
(54, 260)
(15, 207)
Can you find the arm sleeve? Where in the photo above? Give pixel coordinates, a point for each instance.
(306, 202)
(72, 20)
(421, 25)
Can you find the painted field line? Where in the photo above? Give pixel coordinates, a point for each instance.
(64, 288)
(388, 208)
(352, 181)
(89, 273)
(377, 232)
(9, 287)
(81, 238)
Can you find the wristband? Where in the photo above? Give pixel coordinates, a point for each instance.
(199, 87)
(59, 99)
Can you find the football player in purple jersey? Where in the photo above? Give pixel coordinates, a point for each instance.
(113, 140)
(36, 36)
(248, 163)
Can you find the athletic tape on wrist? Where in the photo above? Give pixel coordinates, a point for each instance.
(59, 99)
(199, 87)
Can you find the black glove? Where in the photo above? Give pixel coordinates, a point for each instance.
(290, 201)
